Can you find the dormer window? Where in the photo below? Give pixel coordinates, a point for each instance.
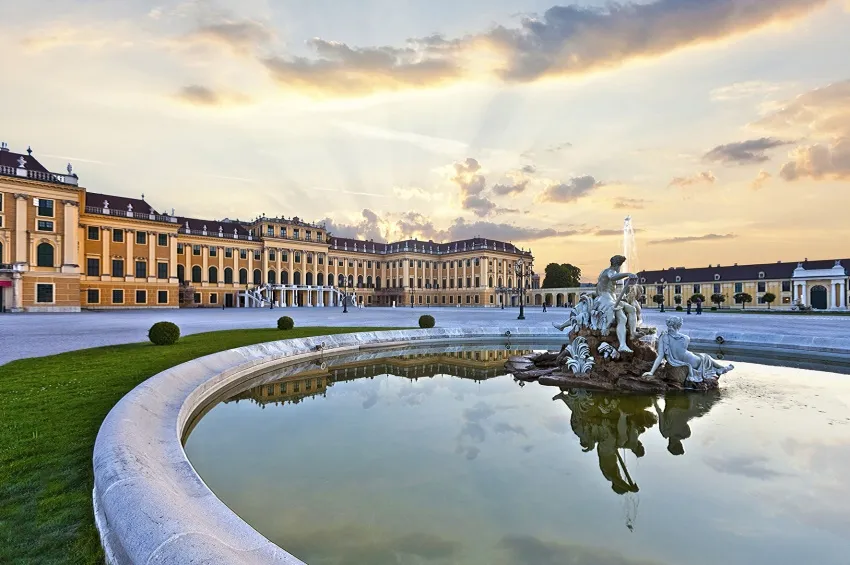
(761, 274)
(678, 279)
(716, 277)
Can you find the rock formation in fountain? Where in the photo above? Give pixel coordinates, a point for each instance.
(627, 360)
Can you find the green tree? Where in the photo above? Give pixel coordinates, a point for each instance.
(677, 299)
(564, 275)
(743, 299)
(698, 297)
(658, 299)
(768, 298)
(718, 299)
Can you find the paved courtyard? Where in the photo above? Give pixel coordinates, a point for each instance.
(33, 335)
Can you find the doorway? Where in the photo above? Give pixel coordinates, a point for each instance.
(228, 300)
(818, 297)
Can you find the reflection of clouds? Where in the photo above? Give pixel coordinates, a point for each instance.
(474, 431)
(505, 428)
(753, 467)
(480, 411)
(356, 545)
(414, 395)
(556, 424)
(529, 549)
(371, 399)
(469, 451)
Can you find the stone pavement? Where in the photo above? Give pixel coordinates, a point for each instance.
(33, 335)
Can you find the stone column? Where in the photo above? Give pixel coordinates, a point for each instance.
(832, 304)
(291, 253)
(220, 253)
(265, 258)
(152, 244)
(70, 262)
(21, 239)
(803, 291)
(205, 262)
(17, 292)
(106, 266)
(172, 258)
(129, 265)
(251, 267)
(842, 286)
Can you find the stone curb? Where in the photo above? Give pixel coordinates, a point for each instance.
(150, 505)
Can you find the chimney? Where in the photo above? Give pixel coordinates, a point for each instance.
(4, 146)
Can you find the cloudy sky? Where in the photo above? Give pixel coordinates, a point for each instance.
(721, 126)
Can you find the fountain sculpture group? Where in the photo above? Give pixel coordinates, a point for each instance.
(633, 359)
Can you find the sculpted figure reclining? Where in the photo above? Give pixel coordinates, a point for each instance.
(673, 348)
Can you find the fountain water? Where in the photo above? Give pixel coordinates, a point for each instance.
(630, 247)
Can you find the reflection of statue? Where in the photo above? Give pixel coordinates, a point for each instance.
(673, 348)
(679, 409)
(614, 308)
(608, 423)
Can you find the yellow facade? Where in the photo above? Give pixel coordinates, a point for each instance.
(63, 248)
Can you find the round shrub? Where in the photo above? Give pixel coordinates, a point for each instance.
(679, 308)
(285, 323)
(714, 308)
(164, 333)
(426, 321)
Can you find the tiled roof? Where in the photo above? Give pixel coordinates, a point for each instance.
(422, 246)
(772, 271)
(9, 159)
(197, 226)
(98, 200)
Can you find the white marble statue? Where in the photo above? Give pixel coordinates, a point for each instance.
(673, 348)
(616, 310)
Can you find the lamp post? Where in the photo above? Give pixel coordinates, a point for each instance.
(522, 270)
(412, 293)
(344, 296)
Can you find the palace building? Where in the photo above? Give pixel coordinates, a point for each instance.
(63, 248)
(822, 285)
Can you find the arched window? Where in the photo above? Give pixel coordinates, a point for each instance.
(243, 276)
(368, 282)
(378, 283)
(341, 279)
(490, 282)
(258, 277)
(228, 276)
(500, 282)
(181, 273)
(331, 279)
(196, 274)
(359, 281)
(272, 277)
(284, 277)
(308, 279)
(350, 280)
(320, 279)
(44, 254)
(213, 275)
(296, 277)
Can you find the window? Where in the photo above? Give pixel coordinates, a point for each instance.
(141, 238)
(213, 275)
(659, 289)
(44, 225)
(460, 283)
(141, 297)
(296, 233)
(94, 233)
(228, 276)
(739, 287)
(45, 209)
(162, 297)
(181, 274)
(44, 255)
(282, 232)
(468, 282)
(162, 240)
(117, 296)
(256, 255)
(213, 251)
(196, 274)
(93, 296)
(180, 249)
(297, 256)
(321, 259)
(243, 276)
(196, 298)
(308, 236)
(677, 289)
(118, 236)
(243, 253)
(196, 250)
(44, 293)
(786, 286)
(696, 289)
(272, 255)
(118, 267)
(93, 267)
(141, 269)
(270, 231)
(477, 281)
(762, 286)
(476, 299)
(162, 270)
(228, 252)
(213, 298)
(716, 289)
(309, 258)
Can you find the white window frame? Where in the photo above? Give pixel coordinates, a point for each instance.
(38, 229)
(167, 297)
(123, 296)
(97, 290)
(135, 296)
(52, 292)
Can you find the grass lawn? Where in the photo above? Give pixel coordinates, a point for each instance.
(50, 411)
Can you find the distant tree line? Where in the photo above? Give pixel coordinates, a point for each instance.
(562, 276)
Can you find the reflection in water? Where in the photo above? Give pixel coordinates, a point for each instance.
(432, 458)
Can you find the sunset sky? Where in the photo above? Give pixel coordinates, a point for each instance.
(721, 126)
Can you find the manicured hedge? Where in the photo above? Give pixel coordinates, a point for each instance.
(285, 323)
(164, 333)
(426, 321)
